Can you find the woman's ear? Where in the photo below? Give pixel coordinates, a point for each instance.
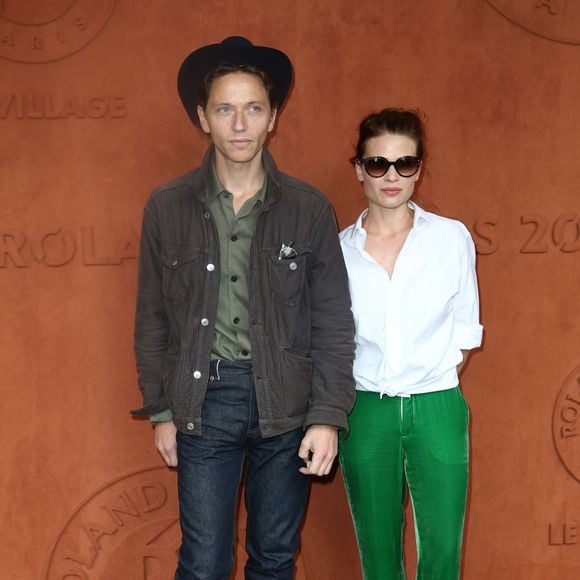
(359, 171)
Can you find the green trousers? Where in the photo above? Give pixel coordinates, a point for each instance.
(423, 441)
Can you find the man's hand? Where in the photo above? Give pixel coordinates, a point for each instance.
(165, 442)
(318, 449)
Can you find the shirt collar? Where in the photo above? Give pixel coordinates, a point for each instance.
(215, 187)
(358, 229)
(419, 216)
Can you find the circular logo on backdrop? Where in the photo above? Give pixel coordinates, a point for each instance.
(553, 19)
(129, 530)
(566, 424)
(126, 530)
(38, 31)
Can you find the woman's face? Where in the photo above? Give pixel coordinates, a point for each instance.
(391, 191)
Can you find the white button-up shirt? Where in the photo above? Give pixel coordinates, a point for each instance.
(412, 326)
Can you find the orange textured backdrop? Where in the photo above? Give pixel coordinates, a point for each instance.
(90, 122)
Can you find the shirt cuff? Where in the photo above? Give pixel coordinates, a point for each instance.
(161, 417)
(468, 338)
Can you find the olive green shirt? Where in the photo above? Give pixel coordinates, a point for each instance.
(231, 339)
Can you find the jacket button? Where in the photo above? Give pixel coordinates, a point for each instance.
(206, 215)
(190, 426)
(204, 321)
(293, 265)
(210, 267)
(174, 262)
(236, 320)
(196, 375)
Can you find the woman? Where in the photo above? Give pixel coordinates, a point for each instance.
(415, 304)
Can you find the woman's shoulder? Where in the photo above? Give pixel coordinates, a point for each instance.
(443, 224)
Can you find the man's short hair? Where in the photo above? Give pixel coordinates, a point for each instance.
(204, 87)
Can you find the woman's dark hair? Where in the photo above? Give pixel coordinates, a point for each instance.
(395, 121)
(226, 69)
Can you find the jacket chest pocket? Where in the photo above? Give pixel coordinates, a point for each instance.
(287, 278)
(179, 273)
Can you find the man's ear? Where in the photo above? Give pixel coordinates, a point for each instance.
(202, 120)
(272, 122)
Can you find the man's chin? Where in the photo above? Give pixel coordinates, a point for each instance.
(241, 156)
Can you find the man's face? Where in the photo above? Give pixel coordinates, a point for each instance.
(237, 116)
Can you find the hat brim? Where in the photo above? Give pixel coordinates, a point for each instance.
(194, 68)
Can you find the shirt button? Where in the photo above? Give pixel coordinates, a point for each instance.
(196, 375)
(206, 215)
(190, 426)
(234, 238)
(204, 321)
(234, 278)
(293, 266)
(236, 320)
(210, 267)
(245, 353)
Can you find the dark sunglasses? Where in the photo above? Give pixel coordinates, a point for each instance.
(377, 166)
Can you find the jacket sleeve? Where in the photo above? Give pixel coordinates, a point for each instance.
(332, 347)
(151, 322)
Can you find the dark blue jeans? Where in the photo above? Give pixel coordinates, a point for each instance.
(209, 472)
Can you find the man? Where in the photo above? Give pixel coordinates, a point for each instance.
(243, 334)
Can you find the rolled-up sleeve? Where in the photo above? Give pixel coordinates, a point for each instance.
(467, 331)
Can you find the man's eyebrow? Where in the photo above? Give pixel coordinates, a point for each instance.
(254, 102)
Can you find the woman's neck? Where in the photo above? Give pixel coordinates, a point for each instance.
(382, 221)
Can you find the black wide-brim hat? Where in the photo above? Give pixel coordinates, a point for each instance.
(234, 50)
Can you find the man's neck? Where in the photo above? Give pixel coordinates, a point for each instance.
(242, 180)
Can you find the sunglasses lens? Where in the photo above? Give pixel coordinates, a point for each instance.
(407, 166)
(404, 166)
(375, 166)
